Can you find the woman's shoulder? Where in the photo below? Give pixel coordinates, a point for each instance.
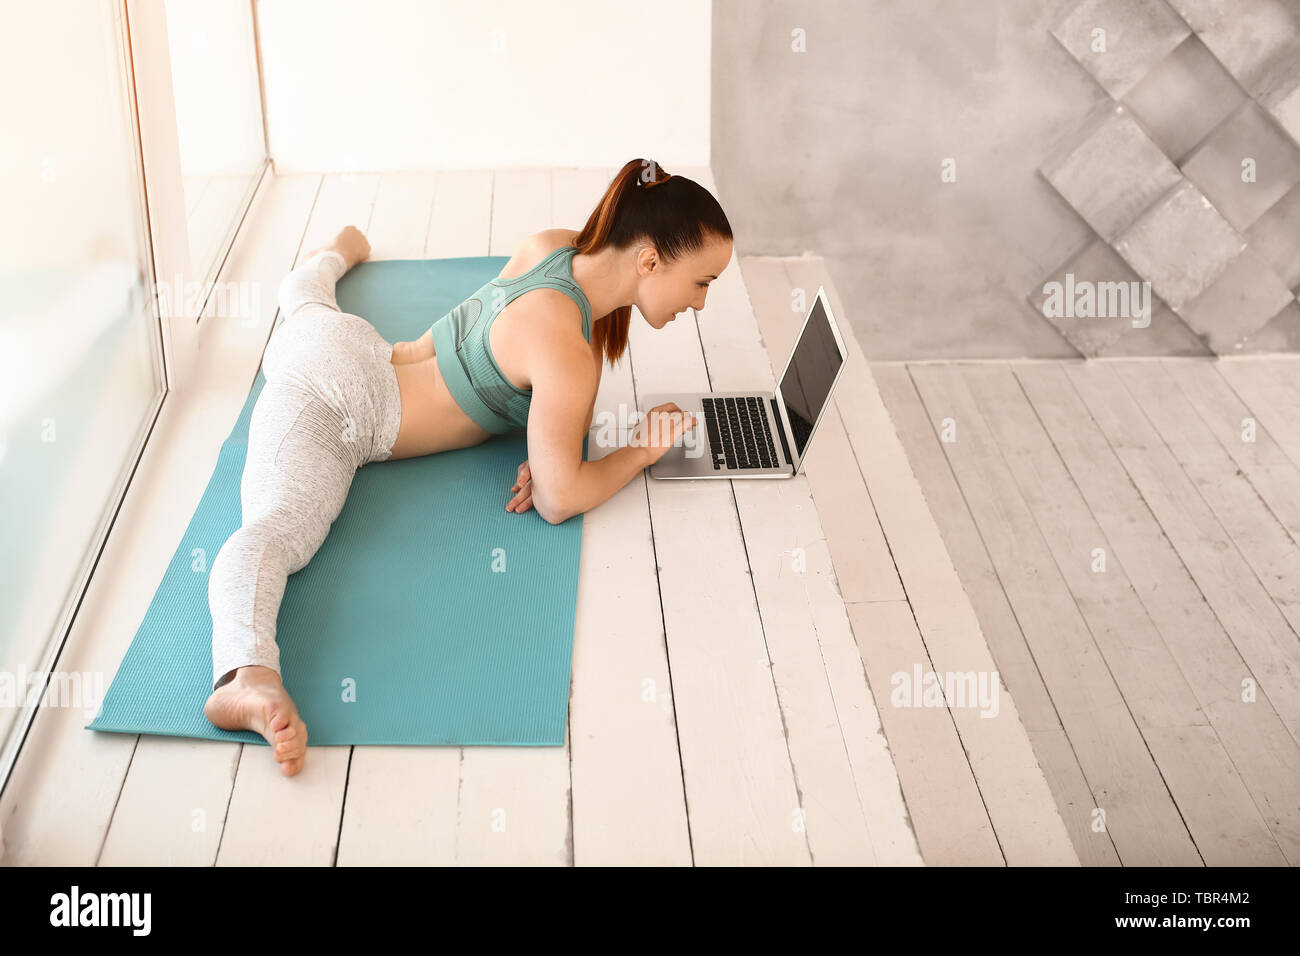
(552, 239)
(549, 302)
(533, 249)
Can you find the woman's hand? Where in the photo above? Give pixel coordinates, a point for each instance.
(660, 430)
(522, 501)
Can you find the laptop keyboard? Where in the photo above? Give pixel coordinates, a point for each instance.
(739, 436)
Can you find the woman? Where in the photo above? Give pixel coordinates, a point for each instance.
(525, 351)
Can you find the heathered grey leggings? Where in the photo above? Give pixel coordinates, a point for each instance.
(329, 406)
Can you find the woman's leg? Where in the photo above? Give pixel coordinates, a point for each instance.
(296, 479)
(312, 284)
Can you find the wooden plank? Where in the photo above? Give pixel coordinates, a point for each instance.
(521, 205)
(461, 222)
(846, 781)
(1258, 535)
(997, 621)
(574, 195)
(58, 807)
(403, 214)
(1139, 813)
(254, 835)
(1259, 456)
(1211, 798)
(1263, 751)
(864, 568)
(1269, 398)
(1019, 803)
(741, 790)
(1261, 634)
(935, 775)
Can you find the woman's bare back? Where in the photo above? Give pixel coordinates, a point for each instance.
(431, 419)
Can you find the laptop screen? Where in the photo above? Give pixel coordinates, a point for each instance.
(807, 381)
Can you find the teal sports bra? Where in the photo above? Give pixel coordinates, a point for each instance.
(460, 341)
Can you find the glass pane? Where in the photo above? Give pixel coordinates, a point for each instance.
(218, 119)
(80, 366)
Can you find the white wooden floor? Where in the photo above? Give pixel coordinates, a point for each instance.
(1127, 532)
(734, 646)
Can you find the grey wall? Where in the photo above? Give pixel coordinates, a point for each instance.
(837, 151)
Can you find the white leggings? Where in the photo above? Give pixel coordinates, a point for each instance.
(329, 406)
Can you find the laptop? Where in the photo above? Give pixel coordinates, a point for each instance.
(760, 434)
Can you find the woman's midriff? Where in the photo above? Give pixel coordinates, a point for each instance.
(431, 419)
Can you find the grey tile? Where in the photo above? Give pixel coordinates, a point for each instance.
(1138, 34)
(1101, 303)
(1240, 302)
(1276, 237)
(1283, 104)
(1111, 173)
(1280, 334)
(1181, 245)
(1201, 14)
(1255, 39)
(1217, 166)
(1166, 335)
(1187, 95)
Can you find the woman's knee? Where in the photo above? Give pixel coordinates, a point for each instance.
(278, 542)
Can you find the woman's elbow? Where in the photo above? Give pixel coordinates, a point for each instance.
(552, 512)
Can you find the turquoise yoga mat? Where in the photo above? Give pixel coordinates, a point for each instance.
(430, 615)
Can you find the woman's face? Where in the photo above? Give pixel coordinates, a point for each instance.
(667, 288)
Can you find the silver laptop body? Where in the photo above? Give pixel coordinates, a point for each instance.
(760, 434)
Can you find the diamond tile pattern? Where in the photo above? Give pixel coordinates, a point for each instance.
(1276, 237)
(1166, 335)
(1222, 259)
(1184, 98)
(1244, 297)
(1112, 174)
(1201, 240)
(1096, 264)
(1217, 166)
(1256, 40)
(1137, 34)
(1201, 14)
(1284, 104)
(1280, 334)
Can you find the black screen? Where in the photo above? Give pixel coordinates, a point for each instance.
(807, 381)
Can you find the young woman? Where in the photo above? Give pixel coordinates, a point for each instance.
(525, 351)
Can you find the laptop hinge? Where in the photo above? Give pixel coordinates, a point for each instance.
(780, 428)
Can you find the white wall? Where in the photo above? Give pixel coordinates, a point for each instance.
(433, 84)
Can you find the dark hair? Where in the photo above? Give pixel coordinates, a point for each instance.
(643, 203)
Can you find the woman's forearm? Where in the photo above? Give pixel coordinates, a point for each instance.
(598, 480)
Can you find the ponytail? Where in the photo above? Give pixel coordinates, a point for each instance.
(642, 204)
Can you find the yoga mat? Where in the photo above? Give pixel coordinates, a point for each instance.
(430, 615)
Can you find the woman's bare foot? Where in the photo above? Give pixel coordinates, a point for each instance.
(350, 243)
(255, 699)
